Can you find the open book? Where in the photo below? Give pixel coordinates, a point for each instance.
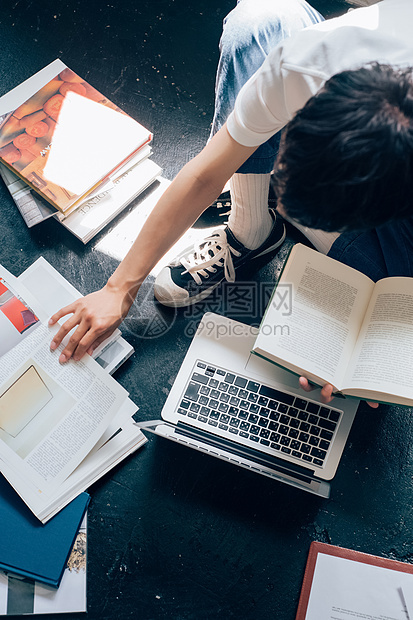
(332, 324)
(61, 427)
(63, 137)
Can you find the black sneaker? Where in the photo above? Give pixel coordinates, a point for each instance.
(194, 274)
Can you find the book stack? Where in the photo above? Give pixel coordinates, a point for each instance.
(68, 152)
(29, 595)
(61, 429)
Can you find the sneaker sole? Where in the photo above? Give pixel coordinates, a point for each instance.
(205, 293)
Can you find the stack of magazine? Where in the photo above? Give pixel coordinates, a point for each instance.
(68, 152)
(62, 427)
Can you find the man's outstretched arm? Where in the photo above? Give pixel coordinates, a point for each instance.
(195, 187)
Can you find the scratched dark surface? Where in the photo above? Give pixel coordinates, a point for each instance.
(174, 533)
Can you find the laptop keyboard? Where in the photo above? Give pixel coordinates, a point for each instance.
(259, 415)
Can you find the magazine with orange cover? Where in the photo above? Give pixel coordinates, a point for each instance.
(63, 137)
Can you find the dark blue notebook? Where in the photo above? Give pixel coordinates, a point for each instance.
(30, 548)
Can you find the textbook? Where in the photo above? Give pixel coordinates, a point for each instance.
(332, 324)
(25, 596)
(30, 549)
(63, 137)
(62, 427)
(342, 583)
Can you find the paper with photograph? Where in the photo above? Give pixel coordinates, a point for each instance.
(18, 315)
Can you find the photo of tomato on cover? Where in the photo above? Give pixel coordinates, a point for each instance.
(27, 134)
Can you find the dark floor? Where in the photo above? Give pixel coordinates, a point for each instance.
(174, 533)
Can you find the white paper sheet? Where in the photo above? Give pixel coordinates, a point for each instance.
(343, 589)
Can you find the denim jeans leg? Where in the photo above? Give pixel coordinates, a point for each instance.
(251, 30)
(378, 253)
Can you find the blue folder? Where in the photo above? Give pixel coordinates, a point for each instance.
(30, 548)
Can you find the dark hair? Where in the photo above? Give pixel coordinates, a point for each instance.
(346, 158)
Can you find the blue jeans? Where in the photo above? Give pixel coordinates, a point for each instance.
(250, 32)
(379, 253)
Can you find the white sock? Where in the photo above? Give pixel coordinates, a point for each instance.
(250, 221)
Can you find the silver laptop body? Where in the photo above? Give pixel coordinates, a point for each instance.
(238, 407)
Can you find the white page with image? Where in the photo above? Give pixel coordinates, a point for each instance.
(55, 437)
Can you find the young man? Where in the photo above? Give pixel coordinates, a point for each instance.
(296, 54)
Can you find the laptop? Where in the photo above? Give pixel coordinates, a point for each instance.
(235, 406)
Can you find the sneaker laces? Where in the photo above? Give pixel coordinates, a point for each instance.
(213, 252)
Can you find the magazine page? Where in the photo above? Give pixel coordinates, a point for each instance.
(121, 438)
(19, 313)
(52, 291)
(51, 415)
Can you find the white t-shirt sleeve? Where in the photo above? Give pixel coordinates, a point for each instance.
(296, 69)
(270, 98)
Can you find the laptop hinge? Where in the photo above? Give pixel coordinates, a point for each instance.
(261, 458)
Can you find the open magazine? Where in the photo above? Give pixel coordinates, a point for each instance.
(45, 283)
(61, 426)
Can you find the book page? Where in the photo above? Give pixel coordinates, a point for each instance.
(317, 330)
(52, 292)
(344, 589)
(19, 314)
(61, 412)
(383, 358)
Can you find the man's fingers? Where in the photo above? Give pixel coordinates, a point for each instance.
(74, 345)
(305, 384)
(63, 331)
(62, 312)
(99, 341)
(327, 393)
(372, 405)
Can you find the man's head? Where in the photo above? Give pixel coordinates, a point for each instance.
(346, 158)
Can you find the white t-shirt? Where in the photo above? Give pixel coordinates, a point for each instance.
(297, 68)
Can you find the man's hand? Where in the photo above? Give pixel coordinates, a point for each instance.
(326, 392)
(95, 317)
